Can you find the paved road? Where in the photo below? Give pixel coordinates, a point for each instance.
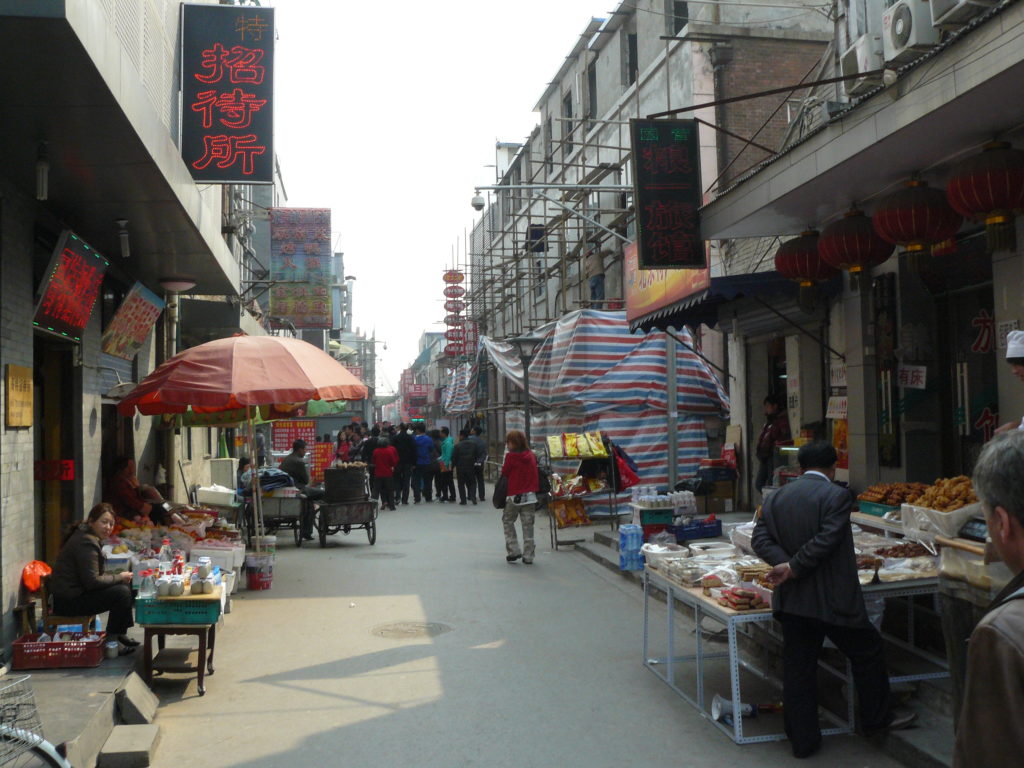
(525, 666)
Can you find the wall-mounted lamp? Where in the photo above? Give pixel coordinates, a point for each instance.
(42, 172)
(177, 283)
(122, 235)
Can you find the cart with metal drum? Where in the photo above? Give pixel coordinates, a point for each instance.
(343, 516)
(284, 513)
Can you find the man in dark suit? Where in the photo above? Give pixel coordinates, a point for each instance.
(804, 533)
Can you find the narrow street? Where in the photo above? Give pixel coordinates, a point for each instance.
(518, 665)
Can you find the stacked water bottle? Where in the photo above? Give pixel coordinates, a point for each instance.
(631, 538)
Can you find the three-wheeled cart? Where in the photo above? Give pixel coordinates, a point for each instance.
(282, 514)
(346, 504)
(344, 516)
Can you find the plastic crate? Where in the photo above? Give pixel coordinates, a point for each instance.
(698, 530)
(656, 516)
(874, 508)
(154, 611)
(652, 530)
(31, 654)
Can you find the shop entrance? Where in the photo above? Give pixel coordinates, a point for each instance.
(55, 458)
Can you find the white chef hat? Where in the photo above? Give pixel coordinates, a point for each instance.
(1014, 344)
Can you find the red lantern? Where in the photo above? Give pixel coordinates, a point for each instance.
(990, 186)
(454, 291)
(454, 350)
(454, 305)
(455, 334)
(798, 260)
(916, 217)
(453, 276)
(852, 243)
(457, 320)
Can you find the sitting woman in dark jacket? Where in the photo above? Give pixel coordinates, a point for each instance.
(79, 585)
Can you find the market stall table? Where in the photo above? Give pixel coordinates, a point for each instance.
(705, 606)
(183, 615)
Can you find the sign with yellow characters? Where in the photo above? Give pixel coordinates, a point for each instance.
(649, 290)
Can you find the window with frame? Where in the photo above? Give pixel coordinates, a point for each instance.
(591, 94)
(680, 16)
(549, 156)
(567, 124)
(632, 58)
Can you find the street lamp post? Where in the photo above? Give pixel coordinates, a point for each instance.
(526, 346)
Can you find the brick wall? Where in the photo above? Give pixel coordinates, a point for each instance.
(760, 65)
(17, 503)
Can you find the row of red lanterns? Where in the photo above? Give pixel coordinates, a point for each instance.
(989, 187)
(456, 334)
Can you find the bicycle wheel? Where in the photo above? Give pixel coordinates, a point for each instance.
(39, 756)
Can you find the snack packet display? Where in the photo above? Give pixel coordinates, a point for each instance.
(597, 449)
(569, 512)
(571, 448)
(555, 447)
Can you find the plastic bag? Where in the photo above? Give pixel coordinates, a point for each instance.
(32, 573)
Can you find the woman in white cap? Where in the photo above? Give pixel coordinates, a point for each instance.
(1015, 357)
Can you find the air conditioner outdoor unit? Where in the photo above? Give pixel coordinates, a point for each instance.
(950, 14)
(865, 55)
(907, 31)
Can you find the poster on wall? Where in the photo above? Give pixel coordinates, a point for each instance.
(840, 441)
(287, 432)
(18, 396)
(132, 322)
(227, 85)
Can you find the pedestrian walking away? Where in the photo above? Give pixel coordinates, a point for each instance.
(385, 459)
(406, 447)
(988, 734)
(445, 473)
(520, 467)
(477, 436)
(804, 533)
(464, 462)
(426, 462)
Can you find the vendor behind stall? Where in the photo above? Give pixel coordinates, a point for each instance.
(79, 585)
(135, 501)
(294, 464)
(1015, 359)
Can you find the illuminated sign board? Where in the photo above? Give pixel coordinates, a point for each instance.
(300, 266)
(227, 84)
(70, 289)
(667, 192)
(132, 322)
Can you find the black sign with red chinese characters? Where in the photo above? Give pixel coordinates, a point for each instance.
(666, 182)
(227, 84)
(70, 288)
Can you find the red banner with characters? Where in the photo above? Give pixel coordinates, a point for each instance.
(323, 455)
(287, 432)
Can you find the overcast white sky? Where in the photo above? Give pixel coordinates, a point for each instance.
(388, 113)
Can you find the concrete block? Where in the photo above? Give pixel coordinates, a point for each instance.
(129, 746)
(136, 702)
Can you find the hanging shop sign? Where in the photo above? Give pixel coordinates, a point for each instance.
(454, 305)
(653, 290)
(455, 334)
(70, 288)
(227, 83)
(132, 322)
(18, 396)
(454, 320)
(453, 276)
(667, 191)
(836, 407)
(454, 291)
(54, 471)
(417, 390)
(355, 370)
(455, 350)
(837, 375)
(301, 267)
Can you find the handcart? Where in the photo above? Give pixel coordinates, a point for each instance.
(283, 513)
(343, 516)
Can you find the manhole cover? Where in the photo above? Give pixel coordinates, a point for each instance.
(402, 630)
(382, 555)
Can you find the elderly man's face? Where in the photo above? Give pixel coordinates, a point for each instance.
(1018, 371)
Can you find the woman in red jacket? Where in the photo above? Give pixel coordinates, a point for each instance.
(520, 467)
(385, 459)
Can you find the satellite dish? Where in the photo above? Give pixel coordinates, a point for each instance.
(118, 391)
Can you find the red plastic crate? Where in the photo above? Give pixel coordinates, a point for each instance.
(651, 530)
(31, 654)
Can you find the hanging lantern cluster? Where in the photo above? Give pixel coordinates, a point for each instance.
(799, 260)
(456, 332)
(990, 187)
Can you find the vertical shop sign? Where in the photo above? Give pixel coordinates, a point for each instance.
(227, 85)
(70, 288)
(132, 322)
(666, 181)
(300, 266)
(323, 456)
